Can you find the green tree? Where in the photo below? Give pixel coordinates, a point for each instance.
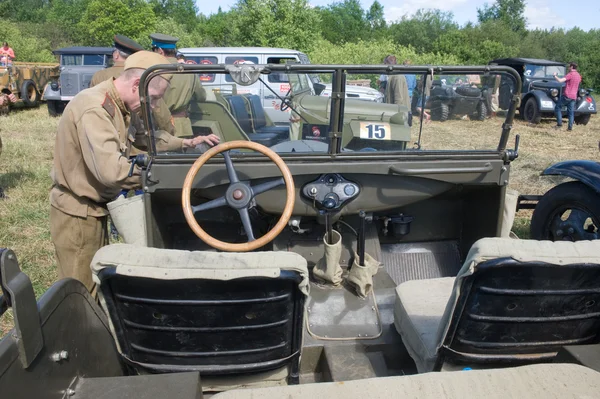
(511, 12)
(219, 29)
(105, 18)
(344, 22)
(27, 48)
(169, 26)
(24, 10)
(182, 11)
(376, 19)
(66, 15)
(276, 23)
(423, 29)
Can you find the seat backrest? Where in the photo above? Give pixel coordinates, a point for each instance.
(213, 312)
(523, 301)
(239, 111)
(258, 112)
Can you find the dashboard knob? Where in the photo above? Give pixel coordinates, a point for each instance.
(349, 190)
(329, 203)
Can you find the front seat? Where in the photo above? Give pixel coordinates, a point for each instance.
(235, 317)
(513, 302)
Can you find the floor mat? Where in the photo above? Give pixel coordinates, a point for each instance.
(419, 261)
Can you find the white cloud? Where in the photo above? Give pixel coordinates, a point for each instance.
(409, 7)
(539, 15)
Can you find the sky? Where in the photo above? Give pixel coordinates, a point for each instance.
(543, 14)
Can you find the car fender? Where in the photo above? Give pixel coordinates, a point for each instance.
(585, 107)
(50, 94)
(544, 101)
(587, 172)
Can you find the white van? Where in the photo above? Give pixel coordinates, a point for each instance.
(278, 83)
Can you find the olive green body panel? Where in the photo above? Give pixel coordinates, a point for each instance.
(13, 80)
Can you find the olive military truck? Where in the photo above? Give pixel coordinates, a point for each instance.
(25, 80)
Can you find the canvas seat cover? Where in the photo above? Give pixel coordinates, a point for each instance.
(423, 308)
(541, 381)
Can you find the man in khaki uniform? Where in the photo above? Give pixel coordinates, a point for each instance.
(124, 47)
(183, 88)
(91, 163)
(396, 91)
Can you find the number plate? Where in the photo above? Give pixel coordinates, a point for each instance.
(375, 131)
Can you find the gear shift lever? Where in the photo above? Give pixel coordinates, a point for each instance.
(361, 238)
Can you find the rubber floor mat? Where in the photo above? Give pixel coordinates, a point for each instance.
(419, 261)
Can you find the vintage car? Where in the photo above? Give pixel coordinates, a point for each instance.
(77, 66)
(540, 90)
(357, 92)
(280, 265)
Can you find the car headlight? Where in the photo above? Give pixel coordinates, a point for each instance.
(54, 85)
(554, 92)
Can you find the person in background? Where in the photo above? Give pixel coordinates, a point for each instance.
(396, 91)
(124, 47)
(180, 58)
(569, 95)
(7, 54)
(411, 81)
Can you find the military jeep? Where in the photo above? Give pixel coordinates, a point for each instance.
(77, 66)
(458, 99)
(280, 265)
(540, 91)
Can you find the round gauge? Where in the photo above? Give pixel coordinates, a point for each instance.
(349, 190)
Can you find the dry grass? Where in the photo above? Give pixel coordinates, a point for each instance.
(28, 140)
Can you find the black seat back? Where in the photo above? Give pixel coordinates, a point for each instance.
(239, 111)
(214, 326)
(523, 311)
(258, 112)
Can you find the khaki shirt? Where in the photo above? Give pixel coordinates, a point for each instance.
(396, 91)
(182, 89)
(108, 73)
(161, 116)
(91, 154)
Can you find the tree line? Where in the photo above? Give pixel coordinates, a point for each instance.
(342, 32)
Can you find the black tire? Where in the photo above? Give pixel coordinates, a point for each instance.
(567, 206)
(468, 91)
(439, 111)
(30, 94)
(56, 107)
(481, 113)
(531, 111)
(582, 119)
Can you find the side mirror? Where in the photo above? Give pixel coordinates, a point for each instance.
(319, 87)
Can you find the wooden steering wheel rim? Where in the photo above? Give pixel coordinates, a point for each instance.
(271, 234)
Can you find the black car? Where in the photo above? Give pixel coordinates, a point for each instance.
(540, 90)
(458, 99)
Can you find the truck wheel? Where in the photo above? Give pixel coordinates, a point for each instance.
(567, 212)
(56, 107)
(481, 113)
(531, 111)
(582, 119)
(29, 94)
(440, 111)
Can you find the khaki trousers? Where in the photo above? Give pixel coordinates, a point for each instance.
(76, 241)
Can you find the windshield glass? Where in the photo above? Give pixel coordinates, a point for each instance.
(290, 112)
(543, 71)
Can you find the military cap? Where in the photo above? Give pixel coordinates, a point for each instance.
(126, 45)
(144, 60)
(163, 41)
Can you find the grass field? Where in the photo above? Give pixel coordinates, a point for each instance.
(26, 160)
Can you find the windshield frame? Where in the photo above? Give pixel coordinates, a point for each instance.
(339, 75)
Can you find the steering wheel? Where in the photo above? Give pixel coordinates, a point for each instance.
(239, 196)
(286, 101)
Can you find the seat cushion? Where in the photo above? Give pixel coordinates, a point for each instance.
(418, 313)
(541, 381)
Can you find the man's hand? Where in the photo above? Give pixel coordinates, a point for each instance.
(211, 140)
(12, 98)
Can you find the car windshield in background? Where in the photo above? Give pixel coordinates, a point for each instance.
(543, 71)
(82, 59)
(291, 112)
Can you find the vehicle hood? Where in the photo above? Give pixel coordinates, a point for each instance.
(545, 84)
(361, 90)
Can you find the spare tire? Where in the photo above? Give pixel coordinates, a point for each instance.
(29, 94)
(468, 91)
